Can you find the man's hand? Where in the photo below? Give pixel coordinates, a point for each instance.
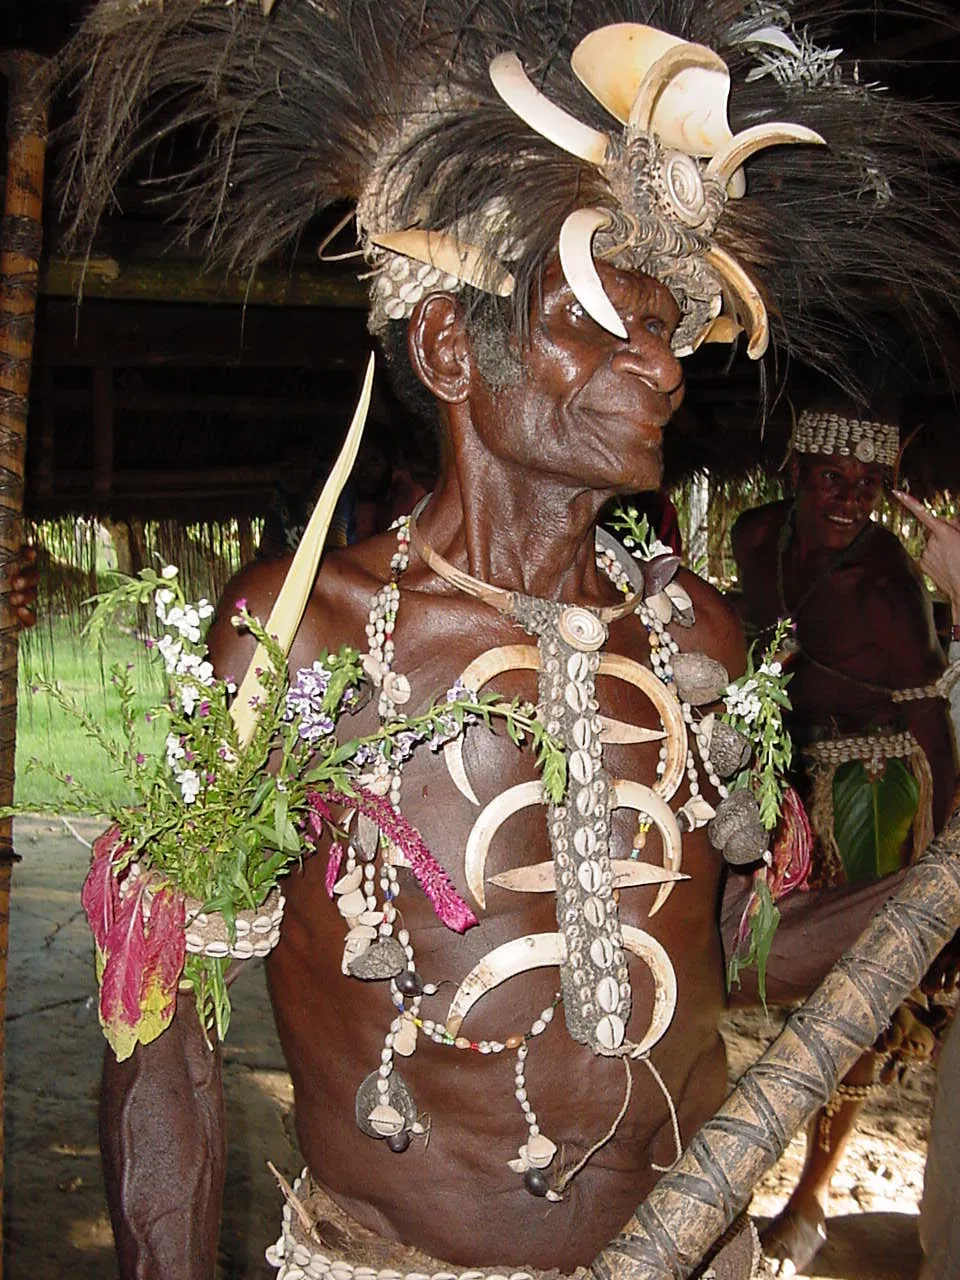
(21, 581)
(941, 555)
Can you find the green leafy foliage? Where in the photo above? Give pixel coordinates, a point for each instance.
(756, 704)
(872, 817)
(222, 823)
(763, 920)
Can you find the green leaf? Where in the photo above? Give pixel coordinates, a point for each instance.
(871, 819)
(764, 920)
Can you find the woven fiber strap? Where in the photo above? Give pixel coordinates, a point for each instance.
(870, 748)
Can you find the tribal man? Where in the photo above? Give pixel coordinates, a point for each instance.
(864, 631)
(502, 1099)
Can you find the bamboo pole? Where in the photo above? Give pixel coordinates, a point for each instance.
(20, 240)
(691, 1206)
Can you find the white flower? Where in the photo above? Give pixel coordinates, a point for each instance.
(175, 751)
(168, 571)
(205, 673)
(189, 785)
(188, 698)
(652, 550)
(771, 668)
(164, 596)
(170, 651)
(204, 608)
(231, 686)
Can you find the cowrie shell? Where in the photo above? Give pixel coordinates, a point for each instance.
(608, 994)
(610, 1031)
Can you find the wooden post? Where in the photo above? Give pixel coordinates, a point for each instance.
(20, 240)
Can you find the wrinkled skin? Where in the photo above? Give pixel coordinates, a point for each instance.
(526, 471)
(868, 618)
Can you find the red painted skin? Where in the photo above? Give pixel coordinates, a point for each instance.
(526, 470)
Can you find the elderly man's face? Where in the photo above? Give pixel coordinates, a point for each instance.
(835, 497)
(591, 407)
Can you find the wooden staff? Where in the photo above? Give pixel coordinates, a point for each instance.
(692, 1205)
(20, 239)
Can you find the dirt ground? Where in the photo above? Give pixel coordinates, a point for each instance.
(56, 1222)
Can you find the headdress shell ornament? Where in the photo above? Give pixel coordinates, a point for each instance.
(472, 140)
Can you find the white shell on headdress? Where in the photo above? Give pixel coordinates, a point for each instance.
(580, 270)
(688, 111)
(543, 116)
(450, 255)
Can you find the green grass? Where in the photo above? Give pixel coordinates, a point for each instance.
(45, 732)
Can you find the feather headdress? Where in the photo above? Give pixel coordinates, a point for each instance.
(715, 144)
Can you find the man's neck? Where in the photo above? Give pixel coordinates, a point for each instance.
(536, 538)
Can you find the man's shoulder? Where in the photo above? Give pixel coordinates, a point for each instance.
(758, 528)
(717, 629)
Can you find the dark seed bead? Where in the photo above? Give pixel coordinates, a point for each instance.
(399, 1141)
(410, 983)
(535, 1180)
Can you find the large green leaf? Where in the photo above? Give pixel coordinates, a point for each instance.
(871, 819)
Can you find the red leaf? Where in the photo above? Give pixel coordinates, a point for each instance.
(143, 960)
(100, 896)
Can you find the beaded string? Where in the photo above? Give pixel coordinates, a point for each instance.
(407, 988)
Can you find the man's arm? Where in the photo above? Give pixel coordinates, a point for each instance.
(898, 611)
(163, 1143)
(162, 1127)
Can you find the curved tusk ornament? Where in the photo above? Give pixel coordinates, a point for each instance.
(492, 818)
(543, 116)
(668, 708)
(627, 64)
(698, 89)
(634, 795)
(520, 955)
(541, 877)
(544, 950)
(450, 255)
(749, 141)
(652, 953)
(580, 271)
(525, 657)
(490, 663)
(755, 319)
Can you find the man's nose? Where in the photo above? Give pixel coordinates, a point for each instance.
(648, 356)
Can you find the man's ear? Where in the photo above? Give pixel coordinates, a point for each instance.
(438, 347)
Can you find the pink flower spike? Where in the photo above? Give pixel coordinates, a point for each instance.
(334, 859)
(447, 903)
(240, 604)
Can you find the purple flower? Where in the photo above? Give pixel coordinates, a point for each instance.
(140, 757)
(149, 643)
(304, 702)
(189, 757)
(209, 778)
(68, 778)
(222, 752)
(405, 743)
(204, 708)
(240, 604)
(458, 692)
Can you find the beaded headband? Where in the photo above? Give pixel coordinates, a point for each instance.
(849, 437)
